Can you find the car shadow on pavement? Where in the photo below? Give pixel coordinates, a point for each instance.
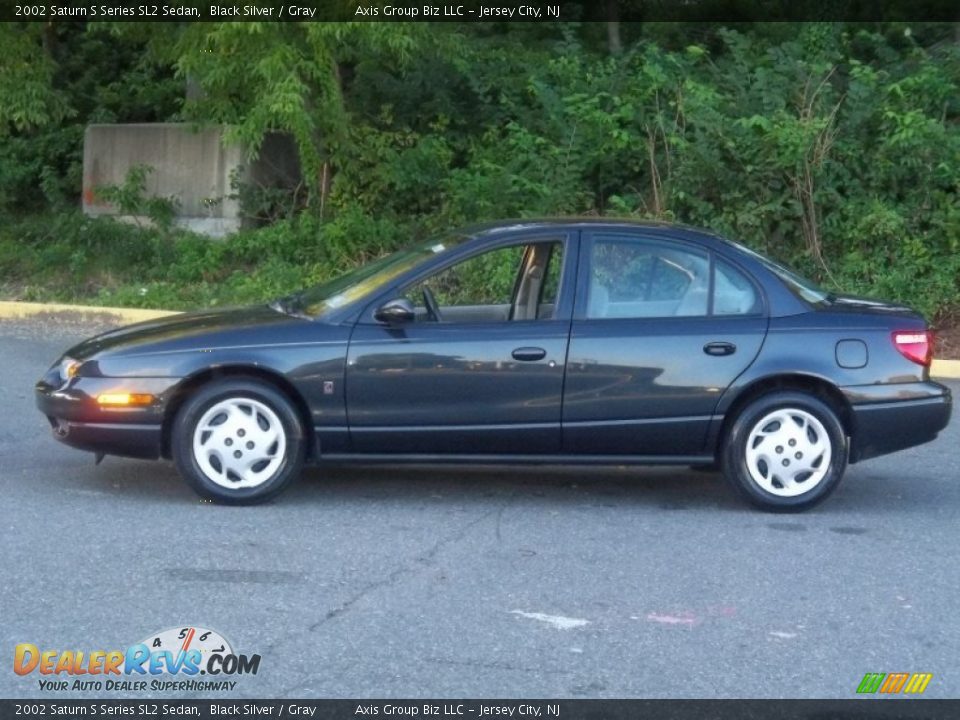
(663, 488)
(671, 489)
(565, 486)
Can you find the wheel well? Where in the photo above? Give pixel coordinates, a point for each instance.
(821, 389)
(184, 389)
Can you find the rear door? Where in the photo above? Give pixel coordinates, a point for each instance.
(484, 378)
(661, 328)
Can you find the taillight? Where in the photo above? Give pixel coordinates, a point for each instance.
(915, 345)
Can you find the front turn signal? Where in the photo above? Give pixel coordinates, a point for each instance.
(124, 399)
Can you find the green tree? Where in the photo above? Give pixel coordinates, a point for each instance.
(291, 77)
(28, 98)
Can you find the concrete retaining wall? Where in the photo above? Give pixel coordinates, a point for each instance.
(192, 166)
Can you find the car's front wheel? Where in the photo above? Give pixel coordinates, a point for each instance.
(786, 452)
(238, 441)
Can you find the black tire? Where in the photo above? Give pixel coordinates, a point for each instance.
(734, 453)
(244, 392)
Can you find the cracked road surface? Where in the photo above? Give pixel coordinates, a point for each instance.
(466, 582)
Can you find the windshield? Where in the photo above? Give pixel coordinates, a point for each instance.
(798, 285)
(364, 280)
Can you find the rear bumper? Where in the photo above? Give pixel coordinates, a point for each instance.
(78, 421)
(888, 418)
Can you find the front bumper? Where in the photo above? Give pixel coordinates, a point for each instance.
(888, 418)
(77, 420)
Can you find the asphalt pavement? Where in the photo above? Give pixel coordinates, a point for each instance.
(465, 582)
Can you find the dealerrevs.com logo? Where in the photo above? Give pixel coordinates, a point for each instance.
(172, 660)
(893, 683)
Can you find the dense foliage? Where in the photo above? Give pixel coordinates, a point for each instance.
(835, 147)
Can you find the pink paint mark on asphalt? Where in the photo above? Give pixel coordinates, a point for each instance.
(683, 618)
(723, 611)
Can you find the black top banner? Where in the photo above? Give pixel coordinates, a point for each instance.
(487, 10)
(489, 709)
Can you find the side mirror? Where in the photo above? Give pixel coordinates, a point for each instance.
(395, 312)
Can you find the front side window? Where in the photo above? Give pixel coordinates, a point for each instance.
(517, 282)
(365, 280)
(633, 278)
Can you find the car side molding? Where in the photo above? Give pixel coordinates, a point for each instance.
(509, 459)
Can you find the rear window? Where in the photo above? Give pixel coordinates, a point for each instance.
(806, 290)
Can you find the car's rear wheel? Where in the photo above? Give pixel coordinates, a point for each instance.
(238, 441)
(786, 452)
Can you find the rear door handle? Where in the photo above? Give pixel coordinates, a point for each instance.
(529, 354)
(719, 348)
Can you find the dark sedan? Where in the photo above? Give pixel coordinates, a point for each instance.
(561, 341)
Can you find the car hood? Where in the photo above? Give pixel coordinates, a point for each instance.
(207, 329)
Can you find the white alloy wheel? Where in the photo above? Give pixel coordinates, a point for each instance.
(239, 443)
(788, 452)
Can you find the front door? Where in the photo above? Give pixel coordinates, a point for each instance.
(480, 369)
(661, 330)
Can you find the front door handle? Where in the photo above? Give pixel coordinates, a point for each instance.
(719, 348)
(529, 354)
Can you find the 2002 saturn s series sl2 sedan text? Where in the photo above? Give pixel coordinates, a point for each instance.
(560, 341)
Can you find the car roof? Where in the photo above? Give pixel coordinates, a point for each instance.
(494, 228)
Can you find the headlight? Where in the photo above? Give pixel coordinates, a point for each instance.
(69, 368)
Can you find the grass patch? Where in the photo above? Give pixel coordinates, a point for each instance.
(68, 257)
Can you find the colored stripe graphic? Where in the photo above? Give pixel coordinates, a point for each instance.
(918, 683)
(871, 682)
(892, 683)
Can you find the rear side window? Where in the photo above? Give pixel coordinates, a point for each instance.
(638, 278)
(733, 293)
